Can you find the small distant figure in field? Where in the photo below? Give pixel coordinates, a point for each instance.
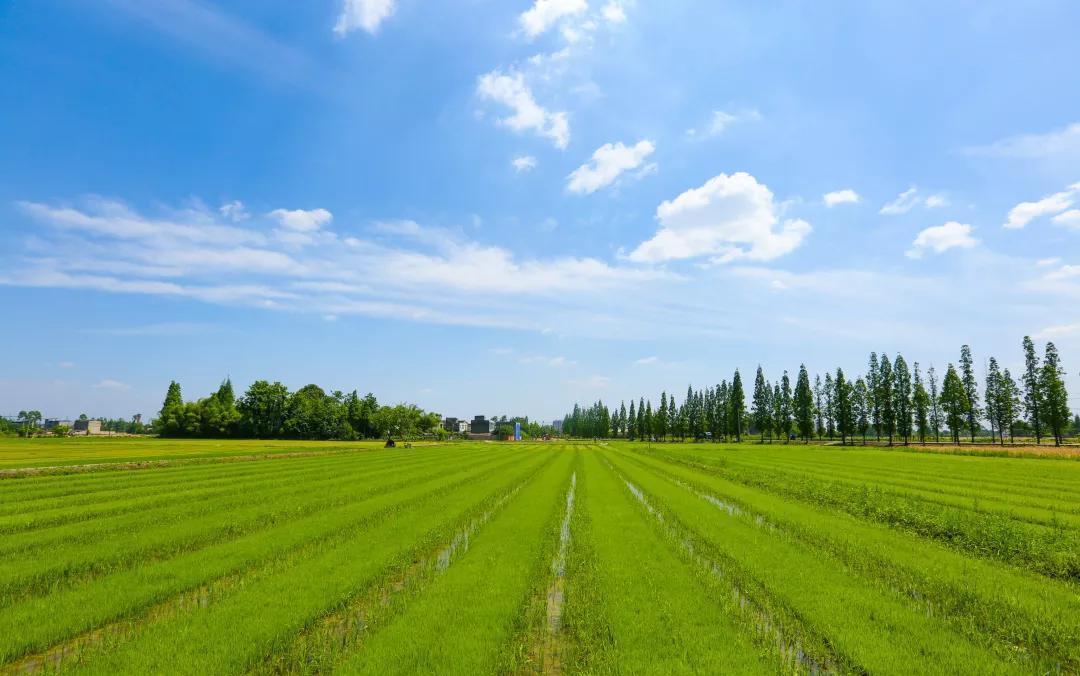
(389, 443)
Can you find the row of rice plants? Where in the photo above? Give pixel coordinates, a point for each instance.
(263, 616)
(111, 544)
(633, 604)
(1049, 550)
(466, 621)
(1020, 614)
(127, 592)
(1020, 504)
(869, 631)
(183, 490)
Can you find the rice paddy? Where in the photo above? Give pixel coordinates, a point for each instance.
(153, 556)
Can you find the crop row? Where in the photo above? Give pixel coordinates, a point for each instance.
(262, 618)
(836, 618)
(1048, 549)
(227, 565)
(1018, 613)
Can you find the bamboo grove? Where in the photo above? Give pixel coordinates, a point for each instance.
(894, 402)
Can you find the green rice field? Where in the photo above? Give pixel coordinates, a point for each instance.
(207, 557)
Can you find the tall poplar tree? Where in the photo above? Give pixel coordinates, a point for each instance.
(872, 380)
(631, 423)
(786, 408)
(860, 401)
(902, 398)
(1055, 396)
(1033, 389)
(661, 417)
(991, 396)
(804, 405)
(672, 417)
(920, 400)
(819, 406)
(971, 389)
(761, 405)
(935, 403)
(830, 406)
(842, 407)
(885, 398)
(954, 402)
(737, 405)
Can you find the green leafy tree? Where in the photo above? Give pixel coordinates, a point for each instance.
(785, 408)
(1055, 397)
(860, 399)
(263, 410)
(971, 389)
(737, 406)
(672, 417)
(842, 403)
(170, 421)
(990, 398)
(1033, 395)
(661, 418)
(819, 406)
(935, 403)
(954, 403)
(804, 405)
(885, 398)
(902, 398)
(830, 406)
(873, 378)
(631, 423)
(921, 403)
(642, 428)
(761, 405)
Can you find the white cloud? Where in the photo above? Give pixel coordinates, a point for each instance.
(366, 14)
(302, 220)
(1058, 331)
(722, 120)
(512, 92)
(941, 238)
(1047, 262)
(608, 162)
(936, 201)
(910, 198)
(645, 361)
(66, 365)
(398, 269)
(1025, 212)
(523, 163)
(727, 218)
(234, 211)
(902, 204)
(1065, 141)
(110, 384)
(845, 196)
(546, 13)
(614, 12)
(1070, 218)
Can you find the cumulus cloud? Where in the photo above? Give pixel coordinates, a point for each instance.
(302, 220)
(845, 196)
(523, 163)
(511, 91)
(941, 238)
(613, 12)
(1025, 212)
(365, 14)
(546, 13)
(608, 162)
(728, 218)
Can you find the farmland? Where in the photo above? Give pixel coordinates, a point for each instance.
(155, 556)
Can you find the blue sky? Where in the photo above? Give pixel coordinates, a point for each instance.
(504, 207)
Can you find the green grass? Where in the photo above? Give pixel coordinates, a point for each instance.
(163, 556)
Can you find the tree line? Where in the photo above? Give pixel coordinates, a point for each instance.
(270, 411)
(892, 401)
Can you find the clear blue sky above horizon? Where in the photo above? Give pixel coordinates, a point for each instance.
(505, 207)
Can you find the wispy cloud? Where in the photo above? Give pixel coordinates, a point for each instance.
(224, 39)
(607, 164)
(511, 91)
(365, 14)
(1059, 142)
